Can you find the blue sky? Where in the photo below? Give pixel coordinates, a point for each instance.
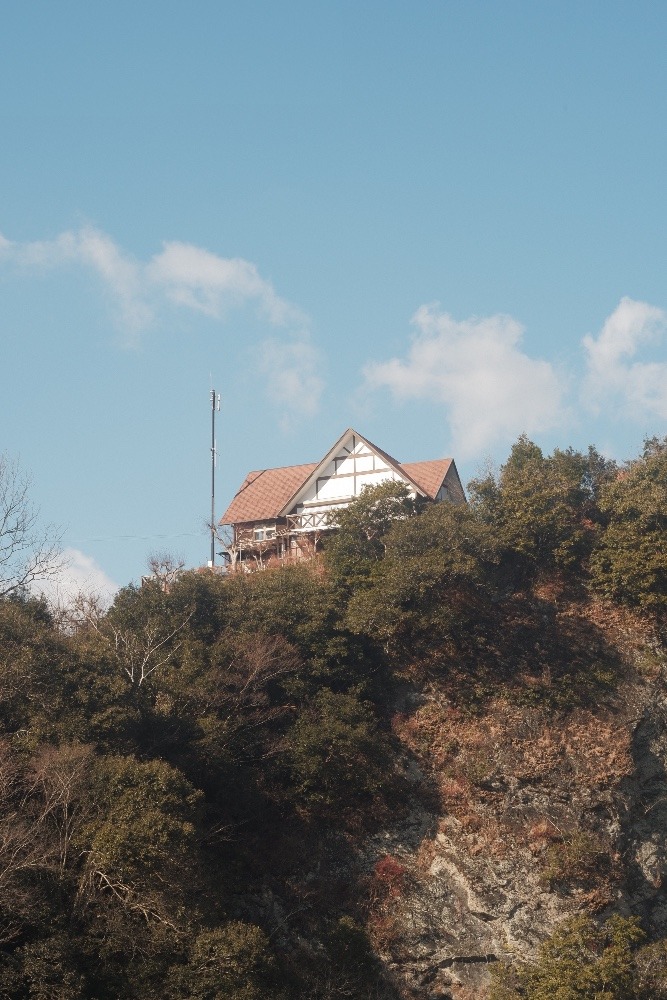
(441, 223)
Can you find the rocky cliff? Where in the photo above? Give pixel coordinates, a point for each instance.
(525, 814)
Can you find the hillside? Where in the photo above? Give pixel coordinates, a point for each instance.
(429, 765)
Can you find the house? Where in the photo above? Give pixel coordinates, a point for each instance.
(283, 514)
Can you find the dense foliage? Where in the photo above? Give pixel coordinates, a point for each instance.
(187, 776)
(584, 961)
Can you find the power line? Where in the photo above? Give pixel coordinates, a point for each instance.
(116, 538)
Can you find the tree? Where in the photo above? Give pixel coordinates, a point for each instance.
(335, 755)
(231, 962)
(42, 807)
(543, 509)
(300, 604)
(139, 630)
(435, 565)
(218, 709)
(165, 569)
(139, 845)
(362, 526)
(580, 962)
(630, 562)
(28, 552)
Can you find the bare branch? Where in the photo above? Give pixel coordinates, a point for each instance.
(137, 652)
(28, 553)
(165, 569)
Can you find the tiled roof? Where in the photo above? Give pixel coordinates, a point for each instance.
(265, 492)
(428, 475)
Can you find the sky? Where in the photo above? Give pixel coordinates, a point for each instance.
(441, 223)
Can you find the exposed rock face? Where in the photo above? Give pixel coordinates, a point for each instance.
(643, 835)
(543, 815)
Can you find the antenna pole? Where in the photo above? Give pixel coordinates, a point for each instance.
(215, 405)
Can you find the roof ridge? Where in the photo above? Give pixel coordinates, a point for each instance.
(392, 461)
(380, 451)
(427, 461)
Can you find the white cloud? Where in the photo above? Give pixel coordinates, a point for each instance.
(120, 273)
(188, 277)
(490, 390)
(80, 574)
(181, 273)
(635, 390)
(204, 281)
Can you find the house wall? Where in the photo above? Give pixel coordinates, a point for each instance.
(352, 468)
(300, 531)
(258, 544)
(453, 489)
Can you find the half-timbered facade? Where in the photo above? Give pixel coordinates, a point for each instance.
(284, 513)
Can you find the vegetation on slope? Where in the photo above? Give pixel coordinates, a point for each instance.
(191, 778)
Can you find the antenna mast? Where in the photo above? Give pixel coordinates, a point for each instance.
(215, 406)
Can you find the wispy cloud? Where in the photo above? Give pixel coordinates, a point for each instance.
(121, 274)
(615, 383)
(198, 279)
(476, 370)
(291, 372)
(182, 275)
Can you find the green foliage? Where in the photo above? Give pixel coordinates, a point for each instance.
(335, 756)
(428, 583)
(651, 964)
(29, 645)
(300, 604)
(359, 541)
(580, 962)
(219, 711)
(169, 765)
(629, 564)
(45, 969)
(143, 828)
(543, 510)
(200, 599)
(579, 856)
(290, 601)
(231, 962)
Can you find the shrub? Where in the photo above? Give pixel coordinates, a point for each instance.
(335, 756)
(630, 562)
(578, 856)
(232, 962)
(580, 962)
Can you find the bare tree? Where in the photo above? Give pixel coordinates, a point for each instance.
(79, 610)
(165, 569)
(139, 651)
(28, 552)
(42, 805)
(142, 652)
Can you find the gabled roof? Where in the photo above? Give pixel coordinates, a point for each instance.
(391, 462)
(264, 493)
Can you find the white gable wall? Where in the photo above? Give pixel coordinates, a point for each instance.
(352, 467)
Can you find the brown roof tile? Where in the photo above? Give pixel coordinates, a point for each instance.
(263, 493)
(428, 475)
